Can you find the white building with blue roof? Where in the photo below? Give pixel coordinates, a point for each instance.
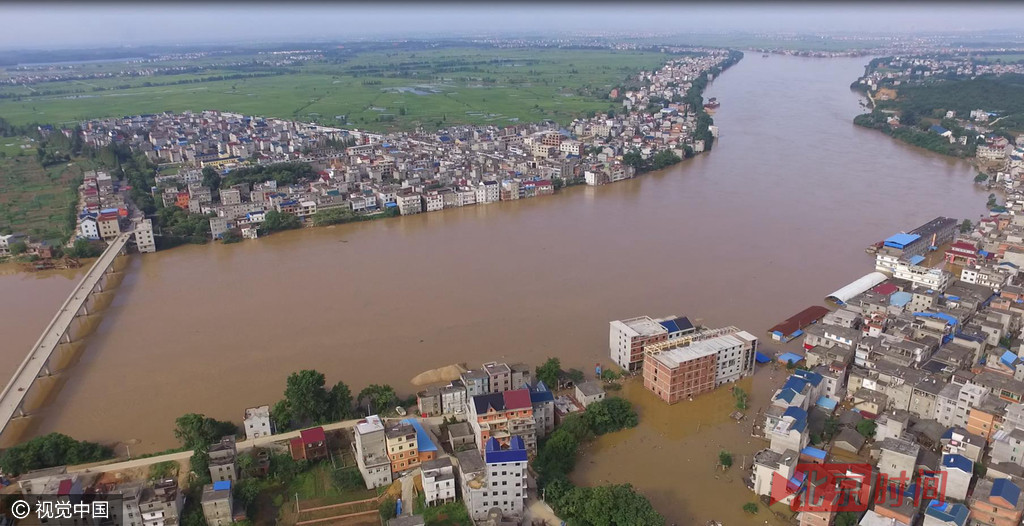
(945, 513)
(958, 471)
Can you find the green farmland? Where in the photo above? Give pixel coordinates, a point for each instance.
(375, 90)
(33, 199)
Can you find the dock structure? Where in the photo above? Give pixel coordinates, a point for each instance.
(37, 363)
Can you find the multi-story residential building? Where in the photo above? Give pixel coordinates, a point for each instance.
(223, 456)
(627, 338)
(218, 503)
(898, 458)
(499, 377)
(477, 382)
(161, 503)
(257, 422)
(996, 502)
(88, 228)
(543, 401)
(109, 225)
(370, 448)
(502, 416)
(409, 203)
(498, 481)
(678, 369)
(402, 446)
(438, 481)
(143, 236)
(428, 402)
(453, 398)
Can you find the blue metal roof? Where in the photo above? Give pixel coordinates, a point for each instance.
(827, 403)
(423, 442)
(790, 357)
(786, 394)
(1006, 489)
(947, 512)
(950, 320)
(901, 240)
(813, 452)
(221, 485)
(541, 393)
(811, 376)
(795, 383)
(1008, 358)
(914, 260)
(670, 325)
(516, 451)
(938, 129)
(900, 298)
(799, 417)
(761, 358)
(957, 462)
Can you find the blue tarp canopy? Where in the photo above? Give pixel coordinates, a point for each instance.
(221, 485)
(790, 358)
(914, 260)
(1008, 358)
(813, 452)
(901, 240)
(761, 358)
(827, 403)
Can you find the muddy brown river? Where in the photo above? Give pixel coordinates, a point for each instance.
(771, 221)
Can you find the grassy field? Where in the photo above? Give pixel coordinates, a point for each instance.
(33, 199)
(375, 90)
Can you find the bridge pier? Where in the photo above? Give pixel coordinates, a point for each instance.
(66, 337)
(21, 409)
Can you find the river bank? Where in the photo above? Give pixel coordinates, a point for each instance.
(383, 301)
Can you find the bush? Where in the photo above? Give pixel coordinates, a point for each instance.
(163, 470)
(51, 450)
(725, 459)
(750, 507)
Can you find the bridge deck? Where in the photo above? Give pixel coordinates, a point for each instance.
(12, 395)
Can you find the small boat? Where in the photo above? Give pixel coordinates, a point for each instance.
(712, 103)
(400, 410)
(765, 55)
(874, 248)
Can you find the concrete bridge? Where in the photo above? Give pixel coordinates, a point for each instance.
(37, 363)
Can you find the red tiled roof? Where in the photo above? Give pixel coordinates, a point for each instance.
(886, 289)
(295, 445)
(517, 399)
(312, 436)
(65, 487)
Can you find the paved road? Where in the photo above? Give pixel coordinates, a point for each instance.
(243, 445)
(12, 395)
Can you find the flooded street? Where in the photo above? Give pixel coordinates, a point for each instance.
(771, 221)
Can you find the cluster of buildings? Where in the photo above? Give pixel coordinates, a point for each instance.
(498, 413)
(105, 212)
(928, 348)
(680, 361)
(901, 70)
(414, 172)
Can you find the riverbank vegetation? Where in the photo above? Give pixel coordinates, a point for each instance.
(614, 504)
(916, 132)
(51, 450)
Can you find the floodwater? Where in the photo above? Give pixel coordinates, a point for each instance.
(770, 222)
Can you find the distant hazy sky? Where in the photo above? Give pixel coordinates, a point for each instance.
(56, 25)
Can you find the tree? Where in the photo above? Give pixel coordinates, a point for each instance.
(725, 459)
(980, 469)
(966, 226)
(610, 414)
(557, 456)
(750, 507)
(281, 416)
(211, 179)
(83, 248)
(275, 221)
(18, 248)
(54, 449)
(575, 375)
(867, 427)
(633, 158)
(664, 158)
(831, 428)
(741, 398)
(846, 518)
(548, 372)
(199, 465)
(577, 426)
(378, 397)
(196, 431)
(246, 491)
(341, 401)
(308, 400)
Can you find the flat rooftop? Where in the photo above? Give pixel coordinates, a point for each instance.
(673, 357)
(644, 326)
